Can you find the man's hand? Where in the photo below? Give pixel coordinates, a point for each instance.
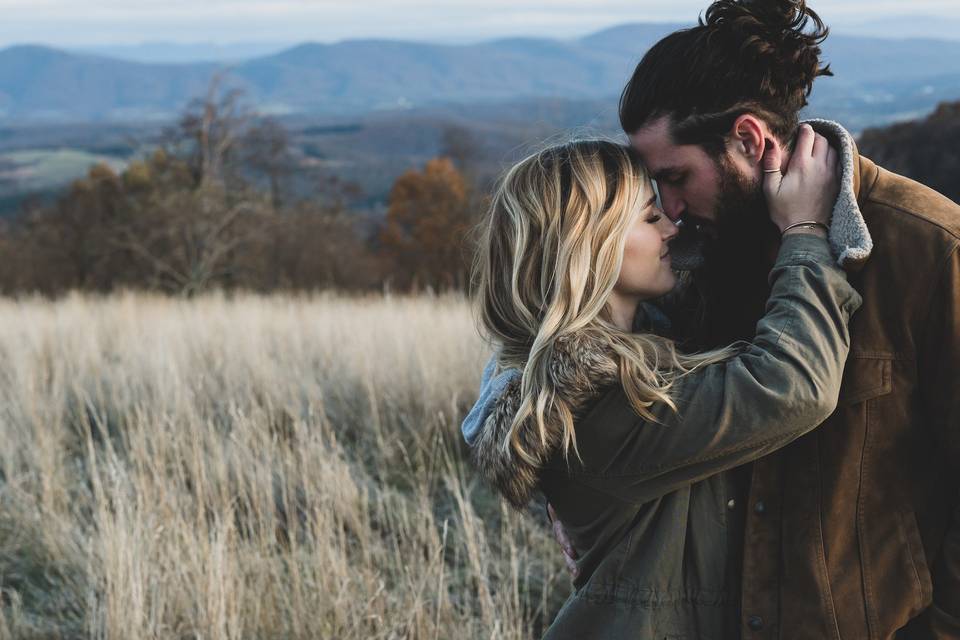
(569, 553)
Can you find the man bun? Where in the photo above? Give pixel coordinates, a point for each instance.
(772, 37)
(744, 56)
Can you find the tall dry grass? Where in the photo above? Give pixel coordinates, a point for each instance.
(253, 467)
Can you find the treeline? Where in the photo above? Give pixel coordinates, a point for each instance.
(214, 206)
(926, 150)
(221, 204)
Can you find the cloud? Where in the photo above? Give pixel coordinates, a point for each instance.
(119, 21)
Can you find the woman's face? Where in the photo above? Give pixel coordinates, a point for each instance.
(646, 271)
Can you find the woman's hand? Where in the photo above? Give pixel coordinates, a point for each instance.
(560, 534)
(808, 189)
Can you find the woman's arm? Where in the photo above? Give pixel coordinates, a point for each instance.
(781, 386)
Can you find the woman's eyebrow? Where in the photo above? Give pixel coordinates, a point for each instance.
(650, 202)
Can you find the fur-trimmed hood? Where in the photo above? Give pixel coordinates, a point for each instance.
(581, 366)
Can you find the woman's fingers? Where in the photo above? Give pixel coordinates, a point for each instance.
(560, 533)
(808, 188)
(804, 147)
(571, 566)
(772, 177)
(832, 159)
(820, 147)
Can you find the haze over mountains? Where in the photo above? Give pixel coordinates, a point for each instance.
(877, 80)
(913, 26)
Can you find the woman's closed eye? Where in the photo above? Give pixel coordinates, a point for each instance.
(654, 218)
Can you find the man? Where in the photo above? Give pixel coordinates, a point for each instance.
(853, 531)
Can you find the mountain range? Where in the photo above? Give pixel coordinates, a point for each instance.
(888, 78)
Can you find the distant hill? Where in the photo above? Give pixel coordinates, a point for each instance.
(372, 150)
(877, 80)
(926, 150)
(904, 26)
(182, 53)
(39, 83)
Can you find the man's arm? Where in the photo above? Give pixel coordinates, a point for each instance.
(939, 376)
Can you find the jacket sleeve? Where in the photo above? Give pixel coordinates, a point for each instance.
(782, 385)
(939, 378)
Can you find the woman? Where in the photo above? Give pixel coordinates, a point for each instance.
(574, 242)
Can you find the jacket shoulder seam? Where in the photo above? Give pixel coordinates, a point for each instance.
(914, 214)
(944, 261)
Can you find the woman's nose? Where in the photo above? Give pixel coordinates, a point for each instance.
(668, 228)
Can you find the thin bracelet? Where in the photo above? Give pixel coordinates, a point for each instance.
(809, 224)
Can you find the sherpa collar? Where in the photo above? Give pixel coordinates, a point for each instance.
(849, 238)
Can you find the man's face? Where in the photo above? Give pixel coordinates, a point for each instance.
(699, 188)
(687, 177)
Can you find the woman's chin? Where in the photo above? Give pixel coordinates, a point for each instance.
(670, 282)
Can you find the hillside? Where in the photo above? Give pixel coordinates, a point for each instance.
(878, 80)
(927, 150)
(39, 83)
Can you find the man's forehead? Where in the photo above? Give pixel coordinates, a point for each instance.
(655, 145)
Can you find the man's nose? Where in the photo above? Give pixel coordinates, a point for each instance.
(673, 206)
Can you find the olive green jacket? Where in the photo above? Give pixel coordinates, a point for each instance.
(646, 504)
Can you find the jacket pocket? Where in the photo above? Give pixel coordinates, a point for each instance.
(895, 578)
(865, 377)
(914, 545)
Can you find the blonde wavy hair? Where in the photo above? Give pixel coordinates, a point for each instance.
(549, 255)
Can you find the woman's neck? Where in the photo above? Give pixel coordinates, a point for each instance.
(623, 309)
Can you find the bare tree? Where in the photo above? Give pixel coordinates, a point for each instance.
(187, 235)
(209, 132)
(267, 152)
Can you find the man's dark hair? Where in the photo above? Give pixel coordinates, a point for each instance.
(744, 56)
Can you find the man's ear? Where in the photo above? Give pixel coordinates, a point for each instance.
(749, 138)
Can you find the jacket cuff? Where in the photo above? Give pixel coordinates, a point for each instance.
(804, 245)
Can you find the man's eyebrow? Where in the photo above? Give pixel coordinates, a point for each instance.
(659, 173)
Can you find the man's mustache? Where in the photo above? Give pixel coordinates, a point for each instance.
(692, 225)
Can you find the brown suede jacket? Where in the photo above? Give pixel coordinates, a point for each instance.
(853, 531)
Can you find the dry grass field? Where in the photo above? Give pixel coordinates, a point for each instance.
(253, 467)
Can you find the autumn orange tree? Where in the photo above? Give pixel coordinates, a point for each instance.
(424, 237)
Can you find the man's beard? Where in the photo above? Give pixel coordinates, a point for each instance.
(737, 257)
(741, 216)
(740, 224)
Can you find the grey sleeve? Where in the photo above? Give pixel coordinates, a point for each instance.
(784, 384)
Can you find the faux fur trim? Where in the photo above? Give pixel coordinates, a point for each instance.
(581, 366)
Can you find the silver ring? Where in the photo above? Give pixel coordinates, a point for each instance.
(772, 171)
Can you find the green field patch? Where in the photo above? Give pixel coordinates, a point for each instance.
(31, 170)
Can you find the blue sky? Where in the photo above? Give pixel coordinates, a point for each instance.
(86, 22)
